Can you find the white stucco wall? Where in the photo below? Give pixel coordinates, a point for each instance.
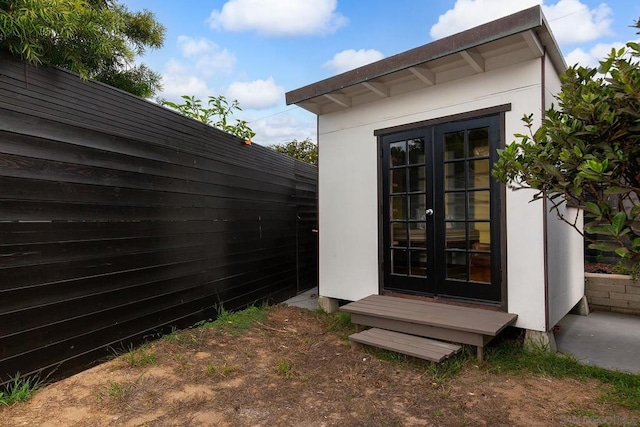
(565, 246)
(348, 194)
(565, 263)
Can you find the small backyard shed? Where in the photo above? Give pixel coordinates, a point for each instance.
(407, 204)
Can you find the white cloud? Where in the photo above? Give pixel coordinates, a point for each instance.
(278, 17)
(201, 60)
(285, 127)
(350, 59)
(176, 85)
(571, 20)
(592, 57)
(208, 57)
(258, 94)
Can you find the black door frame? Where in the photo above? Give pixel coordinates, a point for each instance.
(498, 205)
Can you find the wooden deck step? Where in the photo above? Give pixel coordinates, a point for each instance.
(411, 345)
(466, 325)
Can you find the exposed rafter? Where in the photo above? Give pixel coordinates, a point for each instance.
(340, 99)
(379, 89)
(427, 76)
(474, 59)
(311, 106)
(533, 43)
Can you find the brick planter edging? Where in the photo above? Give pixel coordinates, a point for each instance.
(612, 292)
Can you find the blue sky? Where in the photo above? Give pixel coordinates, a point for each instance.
(256, 50)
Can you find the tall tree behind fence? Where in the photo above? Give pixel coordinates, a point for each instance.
(119, 218)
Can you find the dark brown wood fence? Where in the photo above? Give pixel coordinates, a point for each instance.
(120, 218)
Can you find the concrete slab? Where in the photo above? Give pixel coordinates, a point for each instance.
(608, 340)
(307, 299)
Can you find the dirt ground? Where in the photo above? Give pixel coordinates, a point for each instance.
(292, 370)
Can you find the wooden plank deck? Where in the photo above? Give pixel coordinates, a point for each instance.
(467, 325)
(423, 348)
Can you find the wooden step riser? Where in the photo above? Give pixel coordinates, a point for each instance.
(427, 331)
(423, 348)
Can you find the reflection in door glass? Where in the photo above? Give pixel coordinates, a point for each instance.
(399, 234)
(398, 153)
(399, 261)
(418, 263)
(456, 235)
(479, 142)
(416, 151)
(418, 234)
(454, 145)
(479, 174)
(457, 265)
(479, 205)
(454, 178)
(398, 207)
(398, 181)
(418, 206)
(417, 179)
(454, 205)
(480, 267)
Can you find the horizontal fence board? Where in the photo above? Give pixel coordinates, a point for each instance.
(120, 219)
(49, 130)
(183, 133)
(38, 148)
(46, 170)
(239, 268)
(12, 233)
(100, 311)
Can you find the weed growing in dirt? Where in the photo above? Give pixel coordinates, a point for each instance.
(117, 390)
(284, 369)
(235, 322)
(172, 336)
(511, 356)
(141, 356)
(19, 389)
(338, 323)
(223, 369)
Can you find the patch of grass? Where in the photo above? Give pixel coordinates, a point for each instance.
(117, 390)
(236, 322)
(512, 357)
(582, 412)
(141, 356)
(19, 389)
(285, 369)
(337, 323)
(223, 369)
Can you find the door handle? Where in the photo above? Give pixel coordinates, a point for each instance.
(428, 212)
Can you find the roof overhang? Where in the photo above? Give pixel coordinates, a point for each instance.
(517, 37)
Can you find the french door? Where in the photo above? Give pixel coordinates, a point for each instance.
(441, 212)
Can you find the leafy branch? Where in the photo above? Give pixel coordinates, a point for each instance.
(586, 153)
(216, 113)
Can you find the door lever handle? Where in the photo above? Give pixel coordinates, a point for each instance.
(428, 212)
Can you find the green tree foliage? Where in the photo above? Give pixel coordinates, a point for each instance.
(304, 150)
(98, 39)
(587, 153)
(217, 113)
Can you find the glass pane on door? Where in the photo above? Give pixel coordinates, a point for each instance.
(467, 205)
(407, 202)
